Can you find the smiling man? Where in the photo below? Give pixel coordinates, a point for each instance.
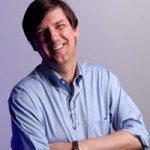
(55, 42)
(64, 104)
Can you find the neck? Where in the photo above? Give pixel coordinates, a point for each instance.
(67, 71)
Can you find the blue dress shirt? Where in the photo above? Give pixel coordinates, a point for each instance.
(44, 108)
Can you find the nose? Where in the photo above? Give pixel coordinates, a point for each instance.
(54, 35)
(51, 35)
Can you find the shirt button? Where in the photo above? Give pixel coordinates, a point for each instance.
(63, 82)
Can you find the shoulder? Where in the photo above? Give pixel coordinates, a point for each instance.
(99, 74)
(29, 83)
(95, 69)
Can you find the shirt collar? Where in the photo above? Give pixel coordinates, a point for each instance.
(78, 75)
(55, 78)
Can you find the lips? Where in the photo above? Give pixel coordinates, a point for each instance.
(58, 47)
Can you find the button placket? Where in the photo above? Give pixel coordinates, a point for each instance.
(65, 86)
(71, 106)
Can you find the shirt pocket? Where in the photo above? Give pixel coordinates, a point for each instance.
(99, 128)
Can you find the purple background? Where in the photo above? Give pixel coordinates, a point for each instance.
(112, 33)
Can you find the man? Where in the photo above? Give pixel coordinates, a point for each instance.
(66, 105)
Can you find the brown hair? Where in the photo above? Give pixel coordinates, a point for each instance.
(37, 10)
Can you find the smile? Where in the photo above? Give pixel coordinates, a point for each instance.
(58, 47)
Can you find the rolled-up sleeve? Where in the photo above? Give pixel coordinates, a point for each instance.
(126, 115)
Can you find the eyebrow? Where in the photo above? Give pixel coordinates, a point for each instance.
(58, 22)
(42, 28)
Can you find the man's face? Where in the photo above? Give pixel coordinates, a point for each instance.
(55, 39)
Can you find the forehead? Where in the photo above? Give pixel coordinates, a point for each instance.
(53, 17)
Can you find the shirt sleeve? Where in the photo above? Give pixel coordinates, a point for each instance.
(27, 128)
(126, 115)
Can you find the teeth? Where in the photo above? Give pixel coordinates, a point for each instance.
(58, 47)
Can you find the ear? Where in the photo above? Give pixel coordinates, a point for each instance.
(76, 32)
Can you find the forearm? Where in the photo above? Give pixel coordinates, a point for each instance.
(60, 146)
(119, 140)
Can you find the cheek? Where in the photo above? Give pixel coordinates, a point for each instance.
(68, 33)
(42, 48)
(39, 42)
(45, 54)
(65, 34)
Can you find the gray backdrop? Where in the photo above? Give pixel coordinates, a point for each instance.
(112, 33)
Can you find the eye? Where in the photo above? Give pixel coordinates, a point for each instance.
(40, 32)
(60, 26)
